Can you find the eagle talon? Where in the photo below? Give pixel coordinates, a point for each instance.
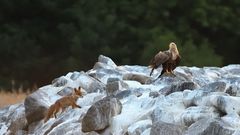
(167, 74)
(172, 74)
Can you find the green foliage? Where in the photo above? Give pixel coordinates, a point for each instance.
(40, 40)
(201, 55)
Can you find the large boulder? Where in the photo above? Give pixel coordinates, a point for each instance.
(99, 114)
(35, 106)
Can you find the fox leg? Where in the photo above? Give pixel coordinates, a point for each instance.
(50, 112)
(75, 105)
(63, 109)
(56, 111)
(47, 118)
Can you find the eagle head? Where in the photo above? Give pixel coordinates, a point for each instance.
(173, 49)
(172, 46)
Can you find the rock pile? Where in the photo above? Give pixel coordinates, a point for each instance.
(125, 100)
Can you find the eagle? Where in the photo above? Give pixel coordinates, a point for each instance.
(169, 60)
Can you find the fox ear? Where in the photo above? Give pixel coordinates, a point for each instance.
(75, 89)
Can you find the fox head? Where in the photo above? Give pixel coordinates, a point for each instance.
(78, 92)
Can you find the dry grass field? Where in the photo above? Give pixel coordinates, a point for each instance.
(8, 98)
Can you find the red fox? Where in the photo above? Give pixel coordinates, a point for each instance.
(63, 103)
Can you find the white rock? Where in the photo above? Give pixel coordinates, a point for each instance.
(146, 132)
(138, 127)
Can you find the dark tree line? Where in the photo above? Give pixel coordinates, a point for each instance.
(41, 40)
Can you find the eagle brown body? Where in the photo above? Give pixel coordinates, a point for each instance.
(169, 60)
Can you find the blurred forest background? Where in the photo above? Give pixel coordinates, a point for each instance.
(44, 39)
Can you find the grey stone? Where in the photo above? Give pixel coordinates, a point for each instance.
(233, 69)
(97, 75)
(185, 76)
(106, 60)
(178, 87)
(232, 80)
(110, 80)
(138, 91)
(75, 76)
(195, 113)
(169, 80)
(99, 65)
(139, 127)
(123, 94)
(136, 69)
(136, 77)
(96, 87)
(58, 82)
(215, 87)
(163, 128)
(65, 91)
(13, 117)
(115, 86)
(99, 114)
(103, 74)
(233, 90)
(225, 104)
(161, 115)
(209, 127)
(35, 107)
(90, 84)
(154, 94)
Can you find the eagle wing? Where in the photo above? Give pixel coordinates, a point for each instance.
(159, 59)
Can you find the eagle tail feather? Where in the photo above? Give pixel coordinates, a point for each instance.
(151, 71)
